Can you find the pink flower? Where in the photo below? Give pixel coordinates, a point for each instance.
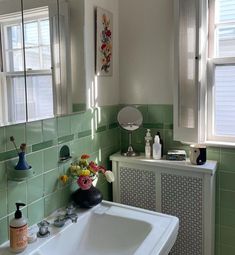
(103, 46)
(93, 167)
(84, 182)
(108, 33)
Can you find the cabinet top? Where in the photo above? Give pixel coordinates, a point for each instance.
(209, 167)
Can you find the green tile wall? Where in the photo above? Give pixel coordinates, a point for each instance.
(43, 194)
(160, 118)
(94, 132)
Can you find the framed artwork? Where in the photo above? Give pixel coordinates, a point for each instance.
(104, 42)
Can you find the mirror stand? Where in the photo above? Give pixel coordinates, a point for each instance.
(130, 151)
(130, 119)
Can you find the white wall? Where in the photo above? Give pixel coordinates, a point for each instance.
(103, 90)
(146, 51)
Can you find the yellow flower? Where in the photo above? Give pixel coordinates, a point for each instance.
(85, 173)
(75, 169)
(64, 178)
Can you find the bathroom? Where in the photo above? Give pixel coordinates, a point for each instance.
(142, 75)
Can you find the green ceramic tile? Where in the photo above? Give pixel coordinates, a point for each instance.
(65, 139)
(170, 143)
(155, 114)
(227, 250)
(101, 129)
(3, 176)
(18, 131)
(76, 121)
(8, 155)
(167, 115)
(36, 161)
(217, 234)
(86, 145)
(213, 153)
(51, 181)
(64, 126)
(52, 202)
(87, 119)
(3, 203)
(2, 140)
(4, 230)
(49, 129)
(35, 188)
(227, 199)
(227, 217)
(66, 196)
(227, 160)
(227, 236)
(76, 148)
(16, 193)
(51, 158)
(217, 215)
(227, 181)
(101, 116)
(34, 132)
(84, 133)
(41, 146)
(36, 212)
(217, 249)
(113, 125)
(112, 112)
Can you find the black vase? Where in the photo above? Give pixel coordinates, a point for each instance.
(87, 198)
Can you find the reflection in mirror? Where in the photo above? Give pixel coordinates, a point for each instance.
(12, 79)
(40, 55)
(42, 72)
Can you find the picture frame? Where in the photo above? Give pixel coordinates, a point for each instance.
(104, 42)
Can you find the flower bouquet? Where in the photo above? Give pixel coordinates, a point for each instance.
(85, 172)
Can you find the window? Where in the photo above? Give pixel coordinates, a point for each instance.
(31, 56)
(221, 82)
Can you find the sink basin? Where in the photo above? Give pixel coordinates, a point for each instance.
(110, 229)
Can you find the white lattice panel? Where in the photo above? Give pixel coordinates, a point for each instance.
(182, 196)
(138, 188)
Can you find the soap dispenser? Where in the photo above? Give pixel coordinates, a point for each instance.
(18, 231)
(148, 139)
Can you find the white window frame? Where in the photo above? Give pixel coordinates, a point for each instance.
(211, 137)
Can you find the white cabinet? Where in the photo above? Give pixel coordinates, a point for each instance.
(172, 187)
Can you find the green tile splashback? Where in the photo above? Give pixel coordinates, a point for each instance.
(43, 193)
(97, 133)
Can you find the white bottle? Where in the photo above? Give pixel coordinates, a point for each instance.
(157, 148)
(18, 231)
(147, 149)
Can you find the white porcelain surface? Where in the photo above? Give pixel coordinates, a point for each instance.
(109, 229)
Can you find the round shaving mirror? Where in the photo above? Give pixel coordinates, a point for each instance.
(130, 119)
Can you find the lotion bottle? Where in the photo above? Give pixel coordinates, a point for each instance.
(148, 149)
(157, 148)
(18, 231)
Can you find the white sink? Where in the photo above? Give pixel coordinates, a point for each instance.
(110, 229)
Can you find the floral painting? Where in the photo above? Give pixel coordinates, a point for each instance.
(104, 39)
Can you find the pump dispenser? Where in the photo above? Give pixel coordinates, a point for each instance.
(18, 231)
(157, 148)
(148, 139)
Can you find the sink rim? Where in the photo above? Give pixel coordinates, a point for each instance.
(114, 209)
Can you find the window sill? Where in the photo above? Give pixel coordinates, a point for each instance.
(220, 144)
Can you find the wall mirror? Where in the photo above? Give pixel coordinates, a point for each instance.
(41, 59)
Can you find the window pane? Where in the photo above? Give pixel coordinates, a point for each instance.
(32, 58)
(31, 34)
(16, 99)
(45, 32)
(46, 57)
(225, 41)
(14, 61)
(40, 97)
(226, 10)
(14, 38)
(224, 100)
